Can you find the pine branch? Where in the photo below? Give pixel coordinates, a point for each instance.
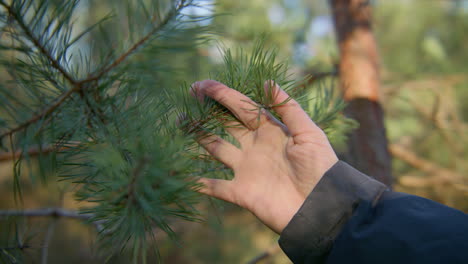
(265, 255)
(315, 76)
(137, 171)
(33, 151)
(424, 165)
(77, 85)
(36, 151)
(51, 212)
(59, 105)
(135, 46)
(20, 247)
(54, 63)
(47, 111)
(37, 43)
(433, 117)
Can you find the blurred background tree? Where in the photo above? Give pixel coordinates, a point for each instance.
(423, 92)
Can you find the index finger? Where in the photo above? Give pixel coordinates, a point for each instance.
(239, 104)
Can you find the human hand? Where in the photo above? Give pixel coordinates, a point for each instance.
(277, 165)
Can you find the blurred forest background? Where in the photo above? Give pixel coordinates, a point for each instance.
(423, 91)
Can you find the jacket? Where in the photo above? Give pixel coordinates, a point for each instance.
(352, 218)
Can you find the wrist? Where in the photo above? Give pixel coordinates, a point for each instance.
(281, 213)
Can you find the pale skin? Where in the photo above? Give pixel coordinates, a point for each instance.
(277, 164)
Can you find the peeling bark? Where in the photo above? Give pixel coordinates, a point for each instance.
(360, 86)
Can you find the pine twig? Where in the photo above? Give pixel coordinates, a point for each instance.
(438, 124)
(77, 85)
(133, 48)
(424, 165)
(316, 76)
(20, 247)
(51, 212)
(55, 64)
(47, 111)
(37, 43)
(35, 151)
(264, 255)
(137, 171)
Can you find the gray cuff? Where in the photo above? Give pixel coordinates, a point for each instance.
(310, 234)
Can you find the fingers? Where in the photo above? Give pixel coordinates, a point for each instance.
(220, 149)
(293, 116)
(220, 189)
(236, 129)
(240, 105)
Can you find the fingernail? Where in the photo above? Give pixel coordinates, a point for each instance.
(195, 91)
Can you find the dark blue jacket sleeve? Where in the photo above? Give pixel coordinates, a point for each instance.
(350, 218)
(402, 228)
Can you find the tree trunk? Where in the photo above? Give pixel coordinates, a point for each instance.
(359, 83)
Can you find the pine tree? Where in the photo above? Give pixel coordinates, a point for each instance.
(97, 110)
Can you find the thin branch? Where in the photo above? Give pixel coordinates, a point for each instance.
(315, 76)
(77, 85)
(438, 124)
(51, 212)
(265, 255)
(137, 171)
(55, 64)
(47, 239)
(312, 77)
(47, 111)
(424, 165)
(37, 43)
(33, 151)
(20, 247)
(415, 181)
(133, 48)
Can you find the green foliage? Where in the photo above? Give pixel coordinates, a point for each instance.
(108, 130)
(13, 243)
(248, 72)
(96, 101)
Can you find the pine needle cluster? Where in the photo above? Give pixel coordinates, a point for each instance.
(100, 115)
(92, 113)
(247, 72)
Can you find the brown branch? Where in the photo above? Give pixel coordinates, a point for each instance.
(414, 181)
(311, 77)
(433, 118)
(33, 151)
(51, 212)
(36, 151)
(47, 111)
(315, 76)
(264, 255)
(424, 165)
